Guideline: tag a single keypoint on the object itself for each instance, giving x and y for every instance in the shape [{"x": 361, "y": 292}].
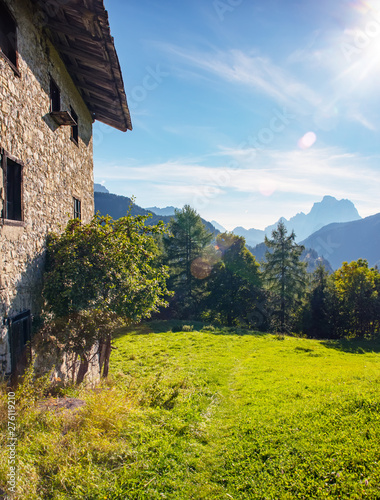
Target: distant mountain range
[
  {"x": 162, "y": 211},
  {"x": 341, "y": 234},
  {"x": 322, "y": 213},
  {"x": 117, "y": 206},
  {"x": 340, "y": 242},
  {"x": 218, "y": 226},
  {"x": 348, "y": 241},
  {"x": 99, "y": 188}
]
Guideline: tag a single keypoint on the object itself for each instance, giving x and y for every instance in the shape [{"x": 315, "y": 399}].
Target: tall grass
[{"x": 208, "y": 415}]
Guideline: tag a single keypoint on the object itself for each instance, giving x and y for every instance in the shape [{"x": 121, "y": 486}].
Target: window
[
  {"x": 20, "y": 335},
  {"x": 8, "y": 35},
  {"x": 59, "y": 116},
  {"x": 55, "y": 97},
  {"x": 13, "y": 179},
  {"x": 77, "y": 209},
  {"x": 74, "y": 128}
]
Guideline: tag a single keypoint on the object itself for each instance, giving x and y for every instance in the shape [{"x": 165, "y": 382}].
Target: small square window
[
  {"x": 55, "y": 97},
  {"x": 77, "y": 209},
  {"x": 74, "y": 128},
  {"x": 8, "y": 35},
  {"x": 13, "y": 179}
]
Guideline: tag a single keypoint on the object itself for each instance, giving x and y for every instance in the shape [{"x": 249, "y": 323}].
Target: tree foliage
[
  {"x": 101, "y": 274},
  {"x": 285, "y": 275},
  {"x": 235, "y": 285},
  {"x": 184, "y": 248},
  {"x": 317, "y": 317},
  {"x": 357, "y": 289}
]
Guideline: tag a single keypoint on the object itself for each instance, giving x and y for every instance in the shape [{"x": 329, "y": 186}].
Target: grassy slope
[{"x": 205, "y": 416}]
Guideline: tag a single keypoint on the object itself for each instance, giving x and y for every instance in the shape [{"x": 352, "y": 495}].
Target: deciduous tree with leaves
[
  {"x": 357, "y": 287},
  {"x": 99, "y": 275},
  {"x": 235, "y": 285}
]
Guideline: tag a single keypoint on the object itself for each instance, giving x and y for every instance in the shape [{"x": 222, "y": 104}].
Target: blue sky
[{"x": 247, "y": 110}]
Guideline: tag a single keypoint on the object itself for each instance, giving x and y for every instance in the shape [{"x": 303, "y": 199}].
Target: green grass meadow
[{"x": 217, "y": 415}]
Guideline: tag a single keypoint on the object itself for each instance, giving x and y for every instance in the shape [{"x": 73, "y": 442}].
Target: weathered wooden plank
[
  {"x": 72, "y": 31},
  {"x": 106, "y": 103},
  {"x": 88, "y": 54},
  {"x": 79, "y": 29},
  {"x": 102, "y": 77}
]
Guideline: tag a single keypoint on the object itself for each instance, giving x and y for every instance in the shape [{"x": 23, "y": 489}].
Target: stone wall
[{"x": 55, "y": 168}]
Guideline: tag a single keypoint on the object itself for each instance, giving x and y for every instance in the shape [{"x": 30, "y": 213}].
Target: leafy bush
[
  {"x": 188, "y": 328},
  {"x": 208, "y": 328}
]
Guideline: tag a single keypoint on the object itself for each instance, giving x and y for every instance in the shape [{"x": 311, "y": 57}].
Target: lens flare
[
  {"x": 307, "y": 140},
  {"x": 267, "y": 187},
  {"x": 200, "y": 268},
  {"x": 361, "y": 6}
]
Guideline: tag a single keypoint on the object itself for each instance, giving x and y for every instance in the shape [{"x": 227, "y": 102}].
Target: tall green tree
[
  {"x": 184, "y": 247},
  {"x": 284, "y": 274},
  {"x": 357, "y": 287},
  {"x": 318, "y": 317},
  {"x": 235, "y": 286},
  {"x": 100, "y": 275}
]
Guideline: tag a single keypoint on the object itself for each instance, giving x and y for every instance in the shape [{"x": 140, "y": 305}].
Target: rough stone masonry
[{"x": 55, "y": 168}]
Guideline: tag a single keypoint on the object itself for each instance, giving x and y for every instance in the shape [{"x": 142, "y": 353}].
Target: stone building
[{"x": 59, "y": 72}]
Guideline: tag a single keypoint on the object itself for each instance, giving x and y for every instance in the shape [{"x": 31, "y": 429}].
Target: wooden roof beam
[
  {"x": 86, "y": 57},
  {"x": 71, "y": 31}
]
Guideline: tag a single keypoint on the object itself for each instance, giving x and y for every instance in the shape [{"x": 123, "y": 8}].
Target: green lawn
[{"x": 211, "y": 415}]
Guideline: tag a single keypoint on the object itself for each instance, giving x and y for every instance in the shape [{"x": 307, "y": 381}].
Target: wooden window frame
[
  {"x": 4, "y": 164},
  {"x": 12, "y": 64},
  {"x": 76, "y": 212}
]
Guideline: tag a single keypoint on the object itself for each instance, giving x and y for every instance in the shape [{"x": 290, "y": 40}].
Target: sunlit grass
[{"x": 212, "y": 415}]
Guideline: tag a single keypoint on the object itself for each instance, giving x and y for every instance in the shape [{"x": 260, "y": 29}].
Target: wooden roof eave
[{"x": 80, "y": 32}]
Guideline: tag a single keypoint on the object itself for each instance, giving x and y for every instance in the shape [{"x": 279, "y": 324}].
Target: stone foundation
[{"x": 66, "y": 366}]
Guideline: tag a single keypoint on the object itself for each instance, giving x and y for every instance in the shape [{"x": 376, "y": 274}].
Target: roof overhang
[{"x": 80, "y": 31}]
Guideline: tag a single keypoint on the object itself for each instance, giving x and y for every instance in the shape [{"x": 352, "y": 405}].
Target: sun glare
[{"x": 360, "y": 44}]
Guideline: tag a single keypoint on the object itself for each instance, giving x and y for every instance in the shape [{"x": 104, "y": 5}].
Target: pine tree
[
  {"x": 318, "y": 318},
  {"x": 285, "y": 274},
  {"x": 184, "y": 248}
]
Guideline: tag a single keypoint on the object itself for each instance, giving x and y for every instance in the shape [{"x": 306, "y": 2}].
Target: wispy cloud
[
  {"x": 293, "y": 174},
  {"x": 251, "y": 70},
  {"x": 331, "y": 78}
]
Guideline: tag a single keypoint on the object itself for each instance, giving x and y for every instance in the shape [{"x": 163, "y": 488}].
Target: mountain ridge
[
  {"x": 348, "y": 241},
  {"x": 118, "y": 206},
  {"x": 332, "y": 244},
  {"x": 327, "y": 211}
]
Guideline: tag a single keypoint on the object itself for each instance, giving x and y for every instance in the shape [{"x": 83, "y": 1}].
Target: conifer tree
[
  {"x": 318, "y": 317},
  {"x": 184, "y": 247},
  {"x": 285, "y": 275}
]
